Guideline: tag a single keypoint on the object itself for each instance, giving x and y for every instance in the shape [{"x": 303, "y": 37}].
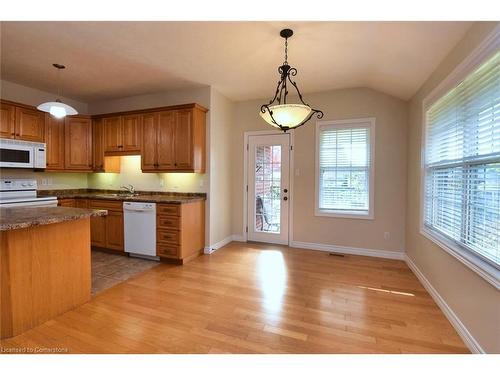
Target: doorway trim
[{"x": 246, "y": 135}]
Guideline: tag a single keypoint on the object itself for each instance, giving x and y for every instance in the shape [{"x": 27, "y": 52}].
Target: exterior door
[{"x": 268, "y": 188}]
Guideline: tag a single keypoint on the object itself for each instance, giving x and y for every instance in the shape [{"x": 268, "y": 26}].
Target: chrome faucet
[{"x": 130, "y": 188}]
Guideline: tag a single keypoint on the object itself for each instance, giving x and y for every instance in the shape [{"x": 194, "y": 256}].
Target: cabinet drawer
[
  {"x": 168, "y": 209},
  {"x": 66, "y": 202},
  {"x": 171, "y": 251},
  {"x": 81, "y": 203},
  {"x": 169, "y": 222},
  {"x": 106, "y": 205},
  {"x": 171, "y": 236}
]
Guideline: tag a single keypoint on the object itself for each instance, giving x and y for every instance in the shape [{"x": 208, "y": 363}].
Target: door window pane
[{"x": 268, "y": 189}]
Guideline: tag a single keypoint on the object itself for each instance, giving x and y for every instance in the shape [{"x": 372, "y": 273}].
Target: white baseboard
[
  {"x": 462, "y": 331},
  {"x": 239, "y": 238},
  {"x": 400, "y": 255},
  {"x": 216, "y": 246}
]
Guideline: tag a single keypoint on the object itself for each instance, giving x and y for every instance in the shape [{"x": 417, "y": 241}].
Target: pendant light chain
[{"x": 286, "y": 52}]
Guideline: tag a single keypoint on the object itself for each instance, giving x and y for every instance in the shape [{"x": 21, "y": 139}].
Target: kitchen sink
[{"x": 120, "y": 195}]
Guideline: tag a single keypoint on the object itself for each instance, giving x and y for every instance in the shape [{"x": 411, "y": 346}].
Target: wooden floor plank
[{"x": 256, "y": 298}]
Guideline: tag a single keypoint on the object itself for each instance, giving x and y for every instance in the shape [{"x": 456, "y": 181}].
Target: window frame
[
  {"x": 368, "y": 122},
  {"x": 469, "y": 258}
]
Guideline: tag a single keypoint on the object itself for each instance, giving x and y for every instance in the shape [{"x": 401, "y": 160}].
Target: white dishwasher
[{"x": 140, "y": 228}]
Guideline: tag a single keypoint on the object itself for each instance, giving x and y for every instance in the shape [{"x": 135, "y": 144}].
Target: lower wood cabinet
[
  {"x": 107, "y": 231},
  {"x": 66, "y": 202},
  {"x": 180, "y": 230},
  {"x": 114, "y": 230}
]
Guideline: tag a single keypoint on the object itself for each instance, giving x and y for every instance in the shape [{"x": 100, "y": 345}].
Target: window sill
[
  {"x": 479, "y": 266},
  {"x": 344, "y": 214}
]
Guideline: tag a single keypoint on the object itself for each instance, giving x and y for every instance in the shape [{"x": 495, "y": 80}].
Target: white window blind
[
  {"x": 462, "y": 164},
  {"x": 344, "y": 168}
]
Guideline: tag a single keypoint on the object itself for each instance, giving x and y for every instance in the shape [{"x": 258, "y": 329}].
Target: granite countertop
[
  {"x": 141, "y": 196},
  {"x": 25, "y": 217}
]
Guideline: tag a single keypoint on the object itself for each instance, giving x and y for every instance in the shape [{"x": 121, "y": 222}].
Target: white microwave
[{"x": 22, "y": 154}]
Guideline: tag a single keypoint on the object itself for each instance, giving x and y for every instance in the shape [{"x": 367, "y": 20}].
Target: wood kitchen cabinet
[
  {"x": 8, "y": 121},
  {"x": 30, "y": 124},
  {"x": 78, "y": 143},
  {"x": 174, "y": 140},
  {"x": 22, "y": 122},
  {"x": 180, "y": 231},
  {"x": 114, "y": 230},
  {"x": 131, "y": 133},
  {"x": 112, "y": 134},
  {"x": 54, "y": 138},
  {"x": 66, "y": 202},
  {"x": 98, "y": 231},
  {"x": 149, "y": 138},
  {"x": 98, "y": 145},
  {"x": 107, "y": 231},
  {"x": 122, "y": 134}
]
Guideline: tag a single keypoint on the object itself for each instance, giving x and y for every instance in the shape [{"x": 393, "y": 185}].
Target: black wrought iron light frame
[{"x": 286, "y": 72}]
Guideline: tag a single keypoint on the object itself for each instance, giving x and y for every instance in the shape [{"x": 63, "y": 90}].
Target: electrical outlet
[
  {"x": 297, "y": 172},
  {"x": 387, "y": 235},
  {"x": 49, "y": 181},
  {"x": 162, "y": 182},
  {"x": 44, "y": 182}
]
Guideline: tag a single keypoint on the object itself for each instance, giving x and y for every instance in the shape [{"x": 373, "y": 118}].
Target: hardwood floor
[{"x": 255, "y": 298}]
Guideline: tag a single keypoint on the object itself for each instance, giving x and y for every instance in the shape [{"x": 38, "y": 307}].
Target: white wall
[
  {"x": 130, "y": 173},
  {"x": 390, "y": 170},
  {"x": 49, "y": 180},
  {"x": 200, "y": 95},
  {"x": 475, "y": 301},
  {"x": 221, "y": 201}
]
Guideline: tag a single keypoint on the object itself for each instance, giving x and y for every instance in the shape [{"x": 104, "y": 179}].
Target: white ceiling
[{"x": 117, "y": 59}]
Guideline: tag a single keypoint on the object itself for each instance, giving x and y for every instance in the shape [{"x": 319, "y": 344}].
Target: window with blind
[
  {"x": 344, "y": 153},
  {"x": 461, "y": 205}
]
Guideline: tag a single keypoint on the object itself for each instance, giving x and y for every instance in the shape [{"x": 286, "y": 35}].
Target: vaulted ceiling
[{"x": 108, "y": 60}]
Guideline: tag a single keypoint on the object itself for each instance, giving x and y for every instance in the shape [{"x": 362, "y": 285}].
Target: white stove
[{"x": 22, "y": 193}]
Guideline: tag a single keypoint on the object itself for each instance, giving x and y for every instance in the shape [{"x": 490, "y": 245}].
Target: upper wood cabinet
[
  {"x": 149, "y": 158},
  {"x": 131, "y": 133},
  {"x": 78, "y": 143},
  {"x": 54, "y": 138},
  {"x": 22, "y": 122},
  {"x": 174, "y": 140},
  {"x": 122, "y": 134},
  {"x": 98, "y": 145},
  {"x": 165, "y": 141},
  {"x": 8, "y": 121},
  {"x": 112, "y": 134},
  {"x": 30, "y": 124}
]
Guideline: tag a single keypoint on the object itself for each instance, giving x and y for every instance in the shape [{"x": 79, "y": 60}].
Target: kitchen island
[{"x": 44, "y": 264}]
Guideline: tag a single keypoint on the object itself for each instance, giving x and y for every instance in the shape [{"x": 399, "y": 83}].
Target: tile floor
[{"x": 111, "y": 269}]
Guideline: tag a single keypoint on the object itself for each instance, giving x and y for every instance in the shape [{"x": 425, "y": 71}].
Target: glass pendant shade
[
  {"x": 287, "y": 116},
  {"x": 57, "y": 109}
]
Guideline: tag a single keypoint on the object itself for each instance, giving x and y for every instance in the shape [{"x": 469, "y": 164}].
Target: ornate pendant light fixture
[
  {"x": 278, "y": 112},
  {"x": 57, "y": 108}
]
